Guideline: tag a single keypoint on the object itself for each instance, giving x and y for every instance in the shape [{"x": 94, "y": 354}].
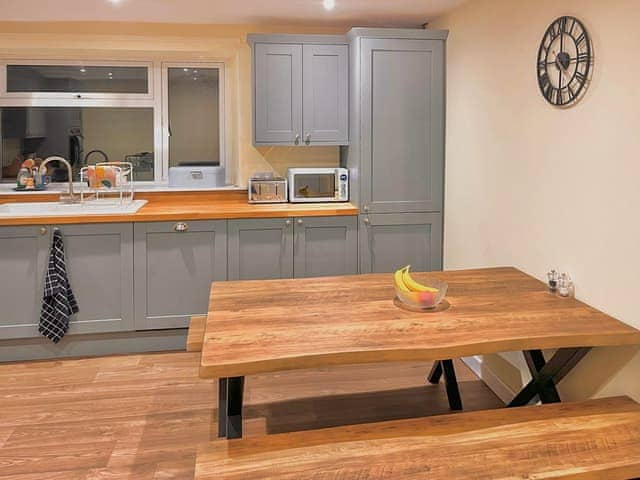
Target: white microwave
[{"x": 318, "y": 185}]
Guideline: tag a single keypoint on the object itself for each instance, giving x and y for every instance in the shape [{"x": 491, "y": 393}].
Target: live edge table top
[{"x": 271, "y": 325}]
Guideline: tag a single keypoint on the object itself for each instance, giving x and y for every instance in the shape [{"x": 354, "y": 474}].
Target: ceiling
[{"x": 309, "y": 12}]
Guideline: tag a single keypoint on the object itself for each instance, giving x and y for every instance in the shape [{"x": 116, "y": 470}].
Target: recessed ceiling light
[
  {"x": 114, "y": 2},
  {"x": 329, "y": 4}
]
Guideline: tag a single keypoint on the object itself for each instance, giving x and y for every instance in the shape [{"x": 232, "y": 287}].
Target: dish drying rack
[{"x": 117, "y": 189}]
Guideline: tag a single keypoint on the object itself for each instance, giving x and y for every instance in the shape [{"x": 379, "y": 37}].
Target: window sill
[{"x": 146, "y": 187}]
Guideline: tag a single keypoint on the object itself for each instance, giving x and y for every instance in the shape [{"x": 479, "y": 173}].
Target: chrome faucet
[{"x": 69, "y": 197}]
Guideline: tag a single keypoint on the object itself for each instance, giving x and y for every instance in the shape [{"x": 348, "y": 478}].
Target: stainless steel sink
[{"x": 56, "y": 209}]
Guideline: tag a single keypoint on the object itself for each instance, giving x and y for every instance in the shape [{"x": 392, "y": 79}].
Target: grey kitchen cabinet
[
  {"x": 23, "y": 256},
  {"x": 277, "y": 93},
  {"x": 175, "y": 264},
  {"x": 300, "y": 90},
  {"x": 99, "y": 260},
  {"x": 325, "y": 88},
  {"x": 325, "y": 246},
  {"x": 389, "y": 241},
  {"x": 260, "y": 249},
  {"x": 398, "y": 117}
]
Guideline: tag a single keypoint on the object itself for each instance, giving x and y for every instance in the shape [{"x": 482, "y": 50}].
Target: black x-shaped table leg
[
  {"x": 545, "y": 375},
  {"x": 230, "y": 392},
  {"x": 446, "y": 368}
]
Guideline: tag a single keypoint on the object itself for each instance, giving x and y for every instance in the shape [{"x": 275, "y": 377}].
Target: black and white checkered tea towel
[{"x": 58, "y": 302}]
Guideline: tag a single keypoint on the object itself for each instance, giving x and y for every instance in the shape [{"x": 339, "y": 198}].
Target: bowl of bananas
[{"x": 415, "y": 295}]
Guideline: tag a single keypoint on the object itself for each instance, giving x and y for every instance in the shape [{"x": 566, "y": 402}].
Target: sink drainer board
[{"x": 56, "y": 209}]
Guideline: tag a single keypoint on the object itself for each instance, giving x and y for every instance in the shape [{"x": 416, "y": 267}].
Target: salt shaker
[{"x": 564, "y": 285}]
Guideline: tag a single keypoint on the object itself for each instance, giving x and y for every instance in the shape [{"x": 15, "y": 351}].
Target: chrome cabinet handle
[
  {"x": 366, "y": 208},
  {"x": 43, "y": 230},
  {"x": 300, "y": 222},
  {"x": 307, "y": 139},
  {"x": 287, "y": 223},
  {"x": 297, "y": 139},
  {"x": 366, "y": 221},
  {"x": 181, "y": 227}
]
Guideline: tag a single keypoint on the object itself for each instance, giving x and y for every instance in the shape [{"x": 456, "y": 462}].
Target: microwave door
[{"x": 314, "y": 187}]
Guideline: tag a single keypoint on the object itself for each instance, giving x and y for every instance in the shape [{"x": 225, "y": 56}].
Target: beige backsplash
[{"x": 279, "y": 159}]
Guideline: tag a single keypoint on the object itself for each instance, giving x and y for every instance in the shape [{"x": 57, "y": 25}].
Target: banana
[
  {"x": 399, "y": 279},
  {"x": 414, "y": 286}
]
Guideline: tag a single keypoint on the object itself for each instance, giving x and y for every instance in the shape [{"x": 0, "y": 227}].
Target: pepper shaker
[{"x": 552, "y": 277}]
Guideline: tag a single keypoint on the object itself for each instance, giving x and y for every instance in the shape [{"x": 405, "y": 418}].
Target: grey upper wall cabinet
[
  {"x": 325, "y": 246},
  {"x": 278, "y": 94},
  {"x": 260, "y": 248},
  {"x": 301, "y": 90},
  {"x": 99, "y": 259},
  {"x": 175, "y": 263},
  {"x": 398, "y": 114},
  {"x": 23, "y": 256},
  {"x": 389, "y": 241},
  {"x": 325, "y": 90}
]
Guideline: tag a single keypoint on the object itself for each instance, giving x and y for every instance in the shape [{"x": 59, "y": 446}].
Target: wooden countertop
[
  {"x": 271, "y": 325},
  {"x": 173, "y": 206}
]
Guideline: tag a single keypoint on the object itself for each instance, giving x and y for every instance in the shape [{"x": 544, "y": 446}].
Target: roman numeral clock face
[{"x": 564, "y": 61}]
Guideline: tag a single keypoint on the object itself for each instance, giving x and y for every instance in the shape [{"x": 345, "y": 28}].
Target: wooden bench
[
  {"x": 596, "y": 439},
  {"x": 195, "y": 337}
]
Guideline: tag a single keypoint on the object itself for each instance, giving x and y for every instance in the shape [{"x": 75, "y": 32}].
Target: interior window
[
  {"x": 83, "y": 135},
  {"x": 77, "y": 79},
  {"x": 193, "y": 116},
  {"x": 90, "y": 112}
]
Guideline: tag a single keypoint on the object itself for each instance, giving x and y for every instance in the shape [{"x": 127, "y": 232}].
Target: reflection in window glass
[
  {"x": 84, "y": 136},
  {"x": 77, "y": 79},
  {"x": 194, "y": 123}
]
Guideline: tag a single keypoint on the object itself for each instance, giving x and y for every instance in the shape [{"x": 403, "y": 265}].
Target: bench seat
[
  {"x": 195, "y": 336},
  {"x": 595, "y": 439}
]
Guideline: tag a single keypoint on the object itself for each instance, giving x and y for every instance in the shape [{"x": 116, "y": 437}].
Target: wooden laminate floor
[{"x": 142, "y": 416}]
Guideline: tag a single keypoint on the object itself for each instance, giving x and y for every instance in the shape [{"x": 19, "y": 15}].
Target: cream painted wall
[
  {"x": 539, "y": 188},
  {"x": 178, "y": 42}
]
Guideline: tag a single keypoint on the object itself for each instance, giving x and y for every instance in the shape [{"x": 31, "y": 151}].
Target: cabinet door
[
  {"x": 175, "y": 263},
  {"x": 402, "y": 125},
  {"x": 277, "y": 93},
  {"x": 99, "y": 261},
  {"x": 391, "y": 240},
  {"x": 23, "y": 256},
  {"x": 326, "y": 94},
  {"x": 260, "y": 249},
  {"x": 325, "y": 246}
]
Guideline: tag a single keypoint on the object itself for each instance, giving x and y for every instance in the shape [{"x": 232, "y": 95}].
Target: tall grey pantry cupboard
[
  {"x": 300, "y": 89},
  {"x": 396, "y": 153}
]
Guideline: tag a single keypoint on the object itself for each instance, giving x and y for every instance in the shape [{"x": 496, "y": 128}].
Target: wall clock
[{"x": 564, "y": 61}]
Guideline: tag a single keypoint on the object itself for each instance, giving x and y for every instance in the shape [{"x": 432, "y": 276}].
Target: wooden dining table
[{"x": 263, "y": 326}]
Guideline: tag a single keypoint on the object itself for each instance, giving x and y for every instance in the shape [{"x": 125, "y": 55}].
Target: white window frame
[
  {"x": 156, "y": 98},
  {"x": 222, "y": 112},
  {"x": 78, "y": 95}
]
